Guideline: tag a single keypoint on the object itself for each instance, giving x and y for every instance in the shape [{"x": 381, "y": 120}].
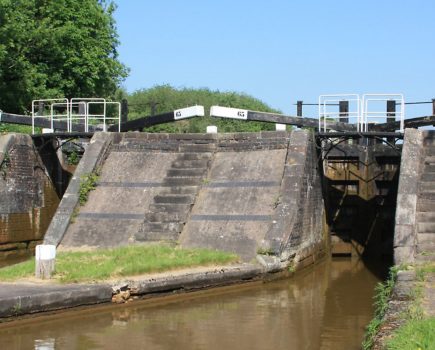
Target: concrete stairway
[
  {"x": 170, "y": 209},
  {"x": 426, "y": 205}
]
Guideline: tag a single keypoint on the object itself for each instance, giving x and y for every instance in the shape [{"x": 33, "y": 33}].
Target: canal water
[{"x": 325, "y": 307}]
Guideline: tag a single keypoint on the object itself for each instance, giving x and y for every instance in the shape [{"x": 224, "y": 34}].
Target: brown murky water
[{"x": 326, "y": 307}]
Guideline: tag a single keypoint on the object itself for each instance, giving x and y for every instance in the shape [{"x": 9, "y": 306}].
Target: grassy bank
[
  {"x": 383, "y": 293},
  {"x": 103, "y": 264},
  {"x": 417, "y": 331}
]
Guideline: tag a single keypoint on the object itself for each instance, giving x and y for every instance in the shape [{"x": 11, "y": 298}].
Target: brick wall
[{"x": 27, "y": 197}]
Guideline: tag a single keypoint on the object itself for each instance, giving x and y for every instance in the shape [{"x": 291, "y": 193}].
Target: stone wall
[
  {"x": 27, "y": 196},
  {"x": 406, "y": 209}
]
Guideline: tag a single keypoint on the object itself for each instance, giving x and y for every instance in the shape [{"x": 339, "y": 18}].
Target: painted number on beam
[
  {"x": 189, "y": 112},
  {"x": 226, "y": 112}
]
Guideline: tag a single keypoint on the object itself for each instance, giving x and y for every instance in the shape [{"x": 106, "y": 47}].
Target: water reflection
[{"x": 324, "y": 308}]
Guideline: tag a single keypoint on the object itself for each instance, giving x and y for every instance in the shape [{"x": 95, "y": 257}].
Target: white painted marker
[
  {"x": 189, "y": 112},
  {"x": 226, "y": 112}
]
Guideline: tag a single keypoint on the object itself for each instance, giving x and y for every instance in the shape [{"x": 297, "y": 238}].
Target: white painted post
[
  {"x": 211, "y": 129},
  {"x": 45, "y": 257},
  {"x": 280, "y": 127}
]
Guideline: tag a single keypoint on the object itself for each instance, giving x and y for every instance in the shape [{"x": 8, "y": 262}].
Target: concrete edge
[
  {"x": 196, "y": 280},
  {"x": 93, "y": 158},
  {"x": 71, "y": 296},
  {"x": 50, "y": 300}
]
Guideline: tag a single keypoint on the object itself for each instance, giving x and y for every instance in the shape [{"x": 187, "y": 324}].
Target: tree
[
  {"x": 51, "y": 49},
  {"x": 164, "y": 98}
]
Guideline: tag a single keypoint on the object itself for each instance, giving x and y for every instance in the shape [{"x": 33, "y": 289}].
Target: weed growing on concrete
[
  {"x": 276, "y": 202},
  {"x": 265, "y": 251},
  {"x": 5, "y": 165},
  {"x": 88, "y": 183},
  {"x": 17, "y": 308},
  {"x": 383, "y": 293}
]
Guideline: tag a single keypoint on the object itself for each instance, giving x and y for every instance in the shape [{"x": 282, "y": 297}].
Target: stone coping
[{"x": 31, "y": 297}]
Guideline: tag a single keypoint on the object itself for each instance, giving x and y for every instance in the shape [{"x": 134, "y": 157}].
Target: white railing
[
  {"x": 374, "y": 111},
  {"x": 84, "y": 111},
  {"x": 329, "y": 109},
  {"x": 371, "y": 109}
]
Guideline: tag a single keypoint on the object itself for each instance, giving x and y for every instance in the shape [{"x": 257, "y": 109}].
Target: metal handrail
[{"x": 71, "y": 115}]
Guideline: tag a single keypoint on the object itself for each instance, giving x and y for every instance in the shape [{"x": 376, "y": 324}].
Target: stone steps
[
  {"x": 426, "y": 237},
  {"x": 429, "y": 160},
  {"x": 193, "y": 163},
  {"x": 426, "y": 227},
  {"x": 197, "y": 147},
  {"x": 426, "y": 217},
  {"x": 427, "y": 186},
  {"x": 429, "y": 151},
  {"x": 180, "y": 190},
  {"x": 181, "y": 209},
  {"x": 162, "y": 227},
  {"x": 183, "y": 172},
  {"x": 174, "y": 199},
  {"x": 195, "y": 156},
  {"x": 168, "y": 212},
  {"x": 427, "y": 196},
  {"x": 164, "y": 217},
  {"x": 426, "y": 248},
  {"x": 424, "y": 258},
  {"x": 183, "y": 181},
  {"x": 427, "y": 177},
  {"x": 425, "y": 205},
  {"x": 149, "y": 236}
]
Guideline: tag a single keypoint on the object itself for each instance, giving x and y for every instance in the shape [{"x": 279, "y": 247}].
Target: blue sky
[{"x": 281, "y": 51}]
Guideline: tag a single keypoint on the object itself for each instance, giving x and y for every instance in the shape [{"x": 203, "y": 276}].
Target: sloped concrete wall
[
  {"x": 248, "y": 193},
  {"x": 235, "y": 206},
  {"x": 298, "y": 231}
]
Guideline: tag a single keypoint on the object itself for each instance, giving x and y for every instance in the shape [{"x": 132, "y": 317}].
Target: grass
[
  {"x": 417, "y": 333},
  {"x": 23, "y": 129},
  {"x": 414, "y": 335},
  {"x": 103, "y": 264},
  {"x": 383, "y": 293}
]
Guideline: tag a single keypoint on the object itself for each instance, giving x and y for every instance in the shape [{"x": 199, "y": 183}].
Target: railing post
[
  {"x": 299, "y": 108},
  {"x": 391, "y": 115},
  {"x": 343, "y": 111},
  {"x": 40, "y": 108},
  {"x": 433, "y": 106},
  {"x": 124, "y": 112}
]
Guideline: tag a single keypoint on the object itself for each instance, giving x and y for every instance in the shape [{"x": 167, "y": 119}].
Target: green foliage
[
  {"x": 415, "y": 334},
  {"x": 4, "y": 165},
  {"x": 21, "y": 129},
  {"x": 57, "y": 49},
  {"x": 88, "y": 182},
  {"x": 103, "y": 264},
  {"x": 383, "y": 293},
  {"x": 164, "y": 98},
  {"x": 73, "y": 158}
]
